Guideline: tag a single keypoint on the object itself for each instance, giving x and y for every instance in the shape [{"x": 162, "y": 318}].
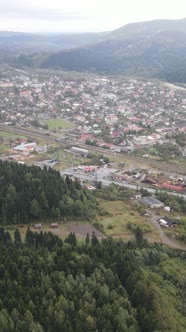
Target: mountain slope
[
  {"x": 156, "y": 48},
  {"x": 151, "y": 49},
  {"x": 160, "y": 56}
]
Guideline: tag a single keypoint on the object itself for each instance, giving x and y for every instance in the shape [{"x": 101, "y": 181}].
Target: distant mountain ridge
[
  {"x": 32, "y": 42},
  {"x": 151, "y": 49},
  {"x": 148, "y": 29}
]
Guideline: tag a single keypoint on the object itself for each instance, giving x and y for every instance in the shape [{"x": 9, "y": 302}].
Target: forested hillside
[
  {"x": 150, "y": 49},
  {"x": 160, "y": 56},
  {"x": 29, "y": 193},
  {"x": 49, "y": 285}
]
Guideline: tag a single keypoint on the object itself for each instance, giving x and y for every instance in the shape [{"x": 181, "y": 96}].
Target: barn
[{"x": 152, "y": 202}]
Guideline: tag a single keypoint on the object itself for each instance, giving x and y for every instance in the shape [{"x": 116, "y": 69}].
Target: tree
[
  {"x": 55, "y": 213},
  {"x": 17, "y": 237},
  {"x": 71, "y": 239},
  {"x": 6, "y": 322},
  {"x": 87, "y": 240},
  {"x": 139, "y": 236},
  {"x": 35, "y": 209},
  {"x": 94, "y": 240}
]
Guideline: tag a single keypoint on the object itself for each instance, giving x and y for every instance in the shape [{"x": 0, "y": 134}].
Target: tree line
[{"x": 30, "y": 193}]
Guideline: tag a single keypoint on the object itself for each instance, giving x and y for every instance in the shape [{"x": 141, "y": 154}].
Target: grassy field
[
  {"x": 118, "y": 215},
  {"x": 58, "y": 124},
  {"x": 6, "y": 135},
  {"x": 7, "y": 138}
]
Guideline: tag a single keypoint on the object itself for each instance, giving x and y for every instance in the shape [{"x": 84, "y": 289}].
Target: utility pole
[{"x": 96, "y": 179}]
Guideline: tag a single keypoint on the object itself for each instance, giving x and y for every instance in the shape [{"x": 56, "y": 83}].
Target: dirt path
[{"x": 164, "y": 238}]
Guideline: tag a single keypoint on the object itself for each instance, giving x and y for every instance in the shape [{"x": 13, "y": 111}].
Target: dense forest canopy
[
  {"x": 49, "y": 285},
  {"x": 30, "y": 193}
]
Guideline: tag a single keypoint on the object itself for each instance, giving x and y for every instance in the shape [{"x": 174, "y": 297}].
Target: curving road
[{"x": 164, "y": 238}]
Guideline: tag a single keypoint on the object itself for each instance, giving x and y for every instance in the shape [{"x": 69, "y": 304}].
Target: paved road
[{"x": 106, "y": 182}]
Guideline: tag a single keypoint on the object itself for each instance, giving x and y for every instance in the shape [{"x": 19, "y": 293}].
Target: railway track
[
  {"x": 168, "y": 167},
  {"x": 158, "y": 165},
  {"x": 27, "y": 132}
]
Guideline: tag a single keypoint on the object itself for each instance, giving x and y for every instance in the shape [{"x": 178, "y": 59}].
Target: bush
[{"x": 110, "y": 226}]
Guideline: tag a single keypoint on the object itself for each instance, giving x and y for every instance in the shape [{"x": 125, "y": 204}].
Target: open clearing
[
  {"x": 114, "y": 221},
  {"x": 63, "y": 230},
  {"x": 58, "y": 124},
  {"x": 83, "y": 229},
  {"x": 118, "y": 214}
]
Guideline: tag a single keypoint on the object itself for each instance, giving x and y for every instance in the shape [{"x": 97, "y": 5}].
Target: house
[
  {"x": 167, "y": 222},
  {"x": 136, "y": 196},
  {"x": 152, "y": 202},
  {"x": 54, "y": 225},
  {"x": 38, "y": 226}
]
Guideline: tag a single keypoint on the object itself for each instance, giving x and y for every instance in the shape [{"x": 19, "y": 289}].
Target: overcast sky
[{"x": 83, "y": 15}]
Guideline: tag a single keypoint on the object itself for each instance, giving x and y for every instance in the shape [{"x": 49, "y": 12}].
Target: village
[
  {"x": 133, "y": 116},
  {"x": 124, "y": 117},
  {"x": 121, "y": 114}
]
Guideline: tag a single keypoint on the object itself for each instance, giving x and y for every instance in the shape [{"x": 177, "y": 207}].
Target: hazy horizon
[
  {"x": 46, "y": 33},
  {"x": 81, "y": 16}
]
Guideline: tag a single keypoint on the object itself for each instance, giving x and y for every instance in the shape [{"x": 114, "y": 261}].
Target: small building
[
  {"x": 82, "y": 152},
  {"x": 149, "y": 180},
  {"x": 167, "y": 209},
  {"x": 38, "y": 226},
  {"x": 54, "y": 225},
  {"x": 25, "y": 147},
  {"x": 136, "y": 196},
  {"x": 167, "y": 222},
  {"x": 90, "y": 187},
  {"x": 170, "y": 186},
  {"x": 152, "y": 202},
  {"x": 88, "y": 169}
]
